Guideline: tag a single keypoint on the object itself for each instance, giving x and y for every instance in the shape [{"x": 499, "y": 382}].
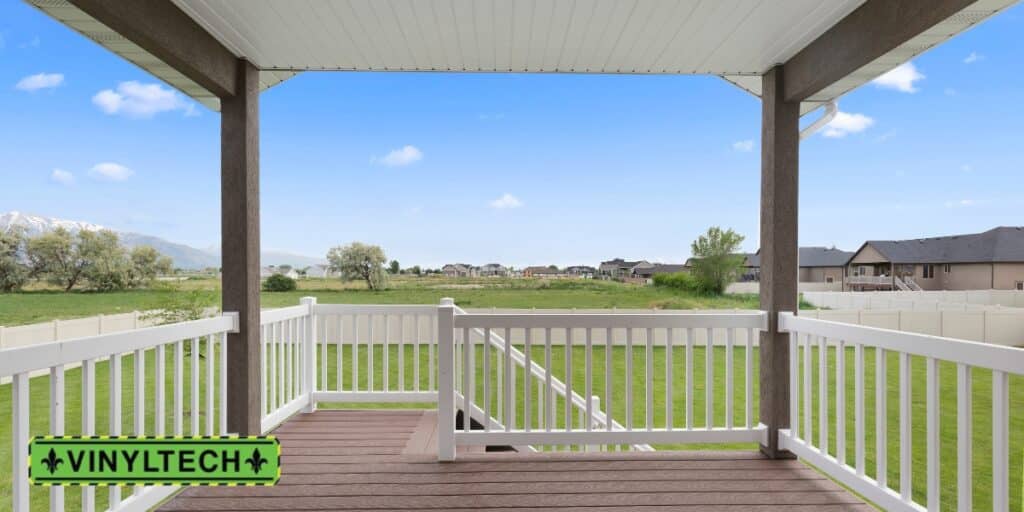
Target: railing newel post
[
  {"x": 446, "y": 381},
  {"x": 309, "y": 373}
]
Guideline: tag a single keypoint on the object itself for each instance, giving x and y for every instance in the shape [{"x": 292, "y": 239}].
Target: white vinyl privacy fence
[
  {"x": 59, "y": 330},
  {"x": 999, "y": 327},
  {"x": 967, "y": 300}
]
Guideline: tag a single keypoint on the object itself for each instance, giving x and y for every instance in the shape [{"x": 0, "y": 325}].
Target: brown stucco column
[
  {"x": 780, "y": 150},
  {"x": 240, "y": 245}
]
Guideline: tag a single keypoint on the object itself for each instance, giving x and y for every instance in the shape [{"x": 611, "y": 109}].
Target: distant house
[
  {"x": 543, "y": 272},
  {"x": 581, "y": 271},
  {"x": 817, "y": 265},
  {"x": 493, "y": 270},
  {"x": 266, "y": 272},
  {"x": 459, "y": 270},
  {"x": 320, "y": 271},
  {"x": 647, "y": 272},
  {"x": 620, "y": 269},
  {"x": 993, "y": 259}
]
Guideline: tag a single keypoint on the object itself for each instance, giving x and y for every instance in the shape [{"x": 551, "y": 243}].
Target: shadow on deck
[{"x": 386, "y": 460}]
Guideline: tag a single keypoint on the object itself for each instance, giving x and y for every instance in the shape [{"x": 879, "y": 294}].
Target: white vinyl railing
[
  {"x": 814, "y": 340},
  {"x": 508, "y": 361},
  {"x": 381, "y": 353},
  {"x": 287, "y": 351},
  {"x": 875, "y": 280},
  {"x": 197, "y": 407},
  {"x": 572, "y": 423}
]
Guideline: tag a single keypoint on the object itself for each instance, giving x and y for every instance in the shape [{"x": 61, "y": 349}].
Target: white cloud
[
  {"x": 110, "y": 171},
  {"x": 744, "y": 146},
  {"x": 63, "y": 177},
  {"x": 949, "y": 91},
  {"x": 901, "y": 78},
  {"x": 138, "y": 100},
  {"x": 506, "y": 201},
  {"x": 973, "y": 57},
  {"x": 846, "y": 123},
  {"x": 400, "y": 157},
  {"x": 40, "y": 81},
  {"x": 963, "y": 203}
]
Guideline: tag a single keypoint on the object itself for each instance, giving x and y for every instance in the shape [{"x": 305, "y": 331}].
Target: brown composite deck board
[
  {"x": 385, "y": 460},
  {"x": 525, "y": 476}
]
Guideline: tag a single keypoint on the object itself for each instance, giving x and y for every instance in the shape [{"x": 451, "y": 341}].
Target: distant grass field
[{"x": 42, "y": 305}]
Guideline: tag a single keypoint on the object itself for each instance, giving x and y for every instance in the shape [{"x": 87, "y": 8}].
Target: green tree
[
  {"x": 415, "y": 270},
  {"x": 394, "y": 267},
  {"x": 715, "y": 259},
  {"x": 56, "y": 257},
  {"x": 14, "y": 272},
  {"x": 107, "y": 264},
  {"x": 146, "y": 265},
  {"x": 360, "y": 261}
]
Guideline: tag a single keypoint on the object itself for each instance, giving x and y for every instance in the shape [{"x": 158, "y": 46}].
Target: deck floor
[{"x": 386, "y": 460}]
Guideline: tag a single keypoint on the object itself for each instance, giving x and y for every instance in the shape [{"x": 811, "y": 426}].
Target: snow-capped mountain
[
  {"x": 35, "y": 225},
  {"x": 183, "y": 255}
]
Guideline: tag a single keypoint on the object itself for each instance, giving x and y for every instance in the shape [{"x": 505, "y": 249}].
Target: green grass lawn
[
  {"x": 39, "y": 390},
  {"x": 44, "y": 305}
]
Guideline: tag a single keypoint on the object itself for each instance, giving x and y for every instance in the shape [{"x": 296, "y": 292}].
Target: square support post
[
  {"x": 446, "y": 381},
  {"x": 240, "y": 246},
  {"x": 309, "y": 345},
  {"x": 780, "y": 153}
]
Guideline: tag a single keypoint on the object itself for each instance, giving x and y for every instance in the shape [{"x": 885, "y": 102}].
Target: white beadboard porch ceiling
[{"x": 735, "y": 39}]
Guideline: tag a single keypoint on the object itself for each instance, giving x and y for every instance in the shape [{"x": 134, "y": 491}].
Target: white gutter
[{"x": 831, "y": 109}]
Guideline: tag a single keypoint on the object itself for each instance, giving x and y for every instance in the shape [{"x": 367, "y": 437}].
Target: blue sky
[{"x": 519, "y": 169}]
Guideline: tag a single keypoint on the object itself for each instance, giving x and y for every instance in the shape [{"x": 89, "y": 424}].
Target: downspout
[{"x": 831, "y": 109}]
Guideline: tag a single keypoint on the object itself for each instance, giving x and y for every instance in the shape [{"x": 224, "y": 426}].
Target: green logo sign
[{"x": 103, "y": 460}]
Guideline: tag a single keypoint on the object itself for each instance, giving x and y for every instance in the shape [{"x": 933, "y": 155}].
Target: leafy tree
[
  {"x": 360, "y": 261},
  {"x": 56, "y": 256},
  {"x": 415, "y": 270},
  {"x": 14, "y": 272},
  {"x": 394, "y": 267},
  {"x": 146, "y": 265},
  {"x": 715, "y": 262},
  {"x": 279, "y": 283},
  {"x": 107, "y": 265}
]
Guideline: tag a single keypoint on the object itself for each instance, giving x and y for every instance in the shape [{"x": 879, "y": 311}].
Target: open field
[
  {"x": 41, "y": 305},
  {"x": 39, "y": 392}
]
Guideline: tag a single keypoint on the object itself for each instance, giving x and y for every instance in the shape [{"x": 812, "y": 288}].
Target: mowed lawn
[{"x": 39, "y": 390}]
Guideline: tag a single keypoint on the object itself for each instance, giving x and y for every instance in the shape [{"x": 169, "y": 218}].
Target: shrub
[
  {"x": 279, "y": 283},
  {"x": 682, "y": 281}
]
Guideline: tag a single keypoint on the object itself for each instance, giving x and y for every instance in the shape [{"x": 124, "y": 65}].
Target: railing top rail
[
  {"x": 268, "y": 316},
  {"x": 47, "y": 355},
  {"x": 375, "y": 309},
  {"x": 743, "y": 320},
  {"x": 976, "y": 354}
]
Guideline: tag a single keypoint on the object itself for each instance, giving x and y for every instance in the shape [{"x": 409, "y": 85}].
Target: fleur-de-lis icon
[
  {"x": 52, "y": 461},
  {"x": 256, "y": 460}
]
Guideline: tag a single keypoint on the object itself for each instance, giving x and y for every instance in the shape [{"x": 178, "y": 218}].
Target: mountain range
[{"x": 184, "y": 256}]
